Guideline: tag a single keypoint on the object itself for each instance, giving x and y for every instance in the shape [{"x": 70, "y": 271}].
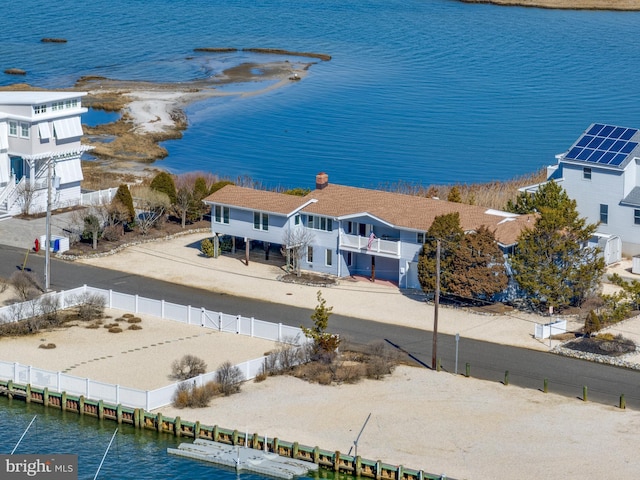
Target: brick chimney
[{"x": 322, "y": 180}]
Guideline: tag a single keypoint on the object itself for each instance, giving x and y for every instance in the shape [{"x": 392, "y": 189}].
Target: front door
[{"x": 17, "y": 167}]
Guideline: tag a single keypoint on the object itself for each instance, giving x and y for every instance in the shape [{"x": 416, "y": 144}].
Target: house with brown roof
[{"x": 353, "y": 231}]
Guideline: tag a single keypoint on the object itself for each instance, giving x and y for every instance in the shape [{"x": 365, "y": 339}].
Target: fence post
[
  {"x": 238, "y": 317},
  {"x": 136, "y": 304},
  {"x": 117, "y": 394},
  {"x": 59, "y": 381},
  {"x": 279, "y": 331},
  {"x": 16, "y": 365},
  {"x": 252, "y": 326},
  {"x": 87, "y": 385},
  {"x": 110, "y": 298},
  {"x": 203, "y": 316},
  {"x": 219, "y": 321}
]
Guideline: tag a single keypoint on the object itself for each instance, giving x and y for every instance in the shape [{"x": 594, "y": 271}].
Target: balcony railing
[{"x": 376, "y": 245}]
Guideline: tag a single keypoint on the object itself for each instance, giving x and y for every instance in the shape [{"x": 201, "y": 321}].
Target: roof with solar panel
[{"x": 606, "y": 146}]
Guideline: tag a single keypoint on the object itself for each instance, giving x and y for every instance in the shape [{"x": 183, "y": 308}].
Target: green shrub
[{"x": 207, "y": 247}]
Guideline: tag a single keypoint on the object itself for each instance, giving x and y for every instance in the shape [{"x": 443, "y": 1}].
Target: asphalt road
[{"x": 489, "y": 361}]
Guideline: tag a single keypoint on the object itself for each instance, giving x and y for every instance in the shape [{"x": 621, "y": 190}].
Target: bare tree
[
  {"x": 188, "y": 366},
  {"x": 152, "y": 205},
  {"x": 184, "y": 203},
  {"x": 26, "y": 193},
  {"x": 25, "y": 284},
  {"x": 295, "y": 242}
]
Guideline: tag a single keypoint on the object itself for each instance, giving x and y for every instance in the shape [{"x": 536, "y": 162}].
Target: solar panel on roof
[
  {"x": 617, "y": 132},
  {"x": 607, "y": 143},
  {"x": 595, "y": 143},
  {"x": 596, "y": 156},
  {"x": 573, "y": 153},
  {"x": 604, "y": 144},
  {"x": 617, "y": 146},
  {"x": 606, "y": 158},
  {"x": 618, "y": 159},
  {"x": 606, "y": 130},
  {"x": 595, "y": 129},
  {"x": 628, "y": 148},
  {"x": 585, "y": 154},
  {"x": 584, "y": 141}
]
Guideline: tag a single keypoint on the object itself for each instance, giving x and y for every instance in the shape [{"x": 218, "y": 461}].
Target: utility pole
[
  {"x": 436, "y": 303},
  {"x": 47, "y": 243}
]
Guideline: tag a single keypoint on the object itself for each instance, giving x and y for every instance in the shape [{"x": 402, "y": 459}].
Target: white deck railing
[{"x": 376, "y": 245}]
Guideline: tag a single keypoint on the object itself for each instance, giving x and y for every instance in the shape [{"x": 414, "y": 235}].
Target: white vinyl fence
[
  {"x": 131, "y": 397},
  {"x": 550, "y": 329},
  {"x": 98, "y": 197}
]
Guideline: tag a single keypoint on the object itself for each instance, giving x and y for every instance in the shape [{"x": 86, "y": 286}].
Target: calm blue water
[
  {"x": 133, "y": 453},
  {"x": 429, "y": 91}
]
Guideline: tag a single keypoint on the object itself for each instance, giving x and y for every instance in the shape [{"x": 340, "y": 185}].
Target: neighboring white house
[
  {"x": 352, "y": 231},
  {"x": 37, "y": 128},
  {"x": 601, "y": 172}
]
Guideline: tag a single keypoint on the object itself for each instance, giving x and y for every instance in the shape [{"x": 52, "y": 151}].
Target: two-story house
[
  {"x": 354, "y": 231},
  {"x": 601, "y": 172},
  {"x": 39, "y": 130}
]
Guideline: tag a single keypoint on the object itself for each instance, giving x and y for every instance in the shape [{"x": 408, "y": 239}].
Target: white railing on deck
[
  {"x": 377, "y": 245},
  {"x": 131, "y": 397}
]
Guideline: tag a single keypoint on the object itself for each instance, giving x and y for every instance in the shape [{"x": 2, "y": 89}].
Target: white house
[
  {"x": 601, "y": 171},
  {"x": 38, "y": 129},
  {"x": 353, "y": 231}
]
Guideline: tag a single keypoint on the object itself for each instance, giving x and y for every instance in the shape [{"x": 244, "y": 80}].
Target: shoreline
[{"x": 604, "y": 5}]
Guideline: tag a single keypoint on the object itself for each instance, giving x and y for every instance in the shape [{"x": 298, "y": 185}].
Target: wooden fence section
[{"x": 139, "y": 418}]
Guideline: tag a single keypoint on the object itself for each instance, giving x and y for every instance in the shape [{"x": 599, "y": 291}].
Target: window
[
  {"x": 586, "y": 173},
  {"x": 320, "y": 223},
  {"x": 296, "y": 220},
  {"x": 349, "y": 259},
  {"x": 329, "y": 258},
  {"x": 420, "y": 238},
  {"x": 310, "y": 254},
  {"x": 636, "y": 217},
  {"x": 349, "y": 227},
  {"x": 604, "y": 214},
  {"x": 13, "y": 129},
  {"x": 221, "y": 214},
  {"x": 24, "y": 130},
  {"x": 71, "y": 103},
  {"x": 57, "y": 106},
  {"x": 260, "y": 221},
  {"x": 37, "y": 109}
]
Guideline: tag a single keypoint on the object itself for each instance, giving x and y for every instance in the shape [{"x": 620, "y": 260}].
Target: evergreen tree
[
  {"x": 454, "y": 195},
  {"x": 478, "y": 266},
  {"x": 550, "y": 263},
  {"x": 163, "y": 182},
  {"x": 123, "y": 196},
  {"x": 445, "y": 228},
  {"x": 200, "y": 191},
  {"x": 218, "y": 185},
  {"x": 549, "y": 195}
]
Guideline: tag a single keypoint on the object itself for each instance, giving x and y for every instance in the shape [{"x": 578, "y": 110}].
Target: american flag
[{"x": 372, "y": 237}]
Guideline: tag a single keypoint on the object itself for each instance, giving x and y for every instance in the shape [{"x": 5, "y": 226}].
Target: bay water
[{"x": 417, "y": 91}]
